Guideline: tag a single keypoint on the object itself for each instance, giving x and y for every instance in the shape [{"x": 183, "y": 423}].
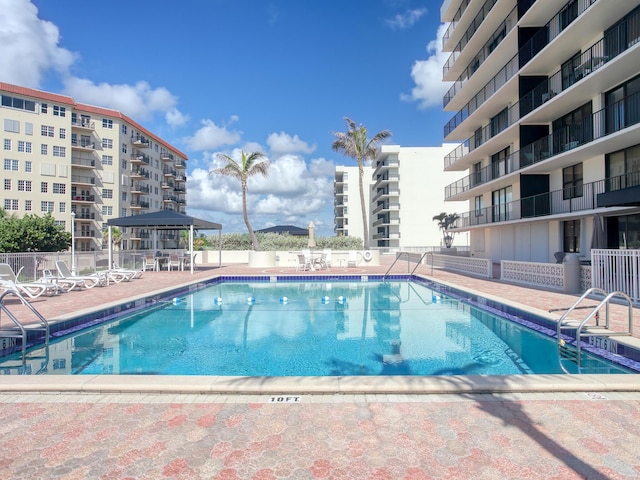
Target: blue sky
[{"x": 215, "y": 76}]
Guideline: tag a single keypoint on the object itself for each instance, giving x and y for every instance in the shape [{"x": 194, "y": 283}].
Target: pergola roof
[
  {"x": 164, "y": 219},
  {"x": 290, "y": 229}
]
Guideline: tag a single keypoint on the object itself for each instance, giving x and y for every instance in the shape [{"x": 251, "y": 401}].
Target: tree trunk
[
  {"x": 252, "y": 235},
  {"x": 365, "y": 219}
]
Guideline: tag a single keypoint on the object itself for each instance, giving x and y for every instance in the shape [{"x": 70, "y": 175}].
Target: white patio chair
[{"x": 9, "y": 281}]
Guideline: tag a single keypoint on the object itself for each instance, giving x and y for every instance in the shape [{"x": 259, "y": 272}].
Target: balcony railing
[
  {"x": 611, "y": 119},
  {"x": 578, "y": 198},
  {"x": 454, "y": 22},
  {"x": 82, "y": 162},
  {"x": 83, "y": 144},
  {"x": 591, "y": 60},
  {"x": 514, "y": 65},
  {"x": 501, "y": 32},
  {"x": 83, "y": 179},
  {"x": 140, "y": 158},
  {"x": 140, "y": 141},
  {"x": 83, "y": 123}
]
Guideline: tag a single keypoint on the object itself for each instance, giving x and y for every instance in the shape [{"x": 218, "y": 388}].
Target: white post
[{"x": 73, "y": 242}]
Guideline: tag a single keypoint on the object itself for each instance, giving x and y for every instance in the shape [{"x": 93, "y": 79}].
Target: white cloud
[
  {"x": 427, "y": 75},
  {"x": 211, "y": 136},
  {"x": 294, "y": 192},
  {"x": 29, "y": 45},
  {"x": 139, "y": 101},
  {"x": 175, "y": 118},
  {"x": 406, "y": 20},
  {"x": 282, "y": 143}
]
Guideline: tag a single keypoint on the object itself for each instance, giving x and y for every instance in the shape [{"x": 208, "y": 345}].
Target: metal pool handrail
[{"x": 408, "y": 260}]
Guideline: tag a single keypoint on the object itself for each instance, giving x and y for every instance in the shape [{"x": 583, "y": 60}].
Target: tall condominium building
[
  {"x": 406, "y": 193},
  {"x": 403, "y": 192},
  {"x": 84, "y": 165},
  {"x": 546, "y": 104},
  {"x": 347, "y": 208}
]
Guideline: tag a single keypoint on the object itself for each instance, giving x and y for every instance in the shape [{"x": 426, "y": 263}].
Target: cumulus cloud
[
  {"x": 139, "y": 101},
  {"x": 282, "y": 143},
  {"x": 30, "y": 46},
  {"x": 175, "y": 118},
  {"x": 427, "y": 75},
  {"x": 295, "y": 191},
  {"x": 405, "y": 20},
  {"x": 211, "y": 136}
]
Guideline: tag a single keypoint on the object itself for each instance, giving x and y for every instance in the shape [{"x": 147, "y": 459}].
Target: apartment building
[
  {"x": 403, "y": 192},
  {"x": 347, "y": 208},
  {"x": 406, "y": 193},
  {"x": 85, "y": 164},
  {"x": 545, "y": 103}
]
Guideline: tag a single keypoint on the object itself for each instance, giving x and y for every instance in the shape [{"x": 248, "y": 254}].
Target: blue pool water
[{"x": 311, "y": 329}]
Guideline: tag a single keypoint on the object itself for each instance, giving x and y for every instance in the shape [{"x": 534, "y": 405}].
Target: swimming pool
[{"x": 326, "y": 328}]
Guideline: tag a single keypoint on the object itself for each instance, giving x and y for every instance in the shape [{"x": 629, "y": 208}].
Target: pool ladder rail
[
  {"x": 409, "y": 256},
  {"x": 16, "y": 329},
  {"x": 584, "y": 329}
]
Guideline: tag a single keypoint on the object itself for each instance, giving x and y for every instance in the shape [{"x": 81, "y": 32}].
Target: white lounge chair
[
  {"x": 85, "y": 281},
  {"x": 9, "y": 281},
  {"x": 130, "y": 272}
]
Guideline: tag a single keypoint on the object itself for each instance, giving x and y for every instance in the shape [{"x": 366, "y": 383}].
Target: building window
[
  {"x": 124, "y": 148},
  {"x": 572, "y": 181},
  {"x": 44, "y": 108},
  {"x": 7, "y": 144},
  {"x": 107, "y": 193},
  {"x": 12, "y": 126},
  {"x": 107, "y": 143},
  {"x": 24, "y": 147},
  {"x": 47, "y": 206},
  {"x": 44, "y": 186},
  {"x": 622, "y": 169},
  {"x": 107, "y": 210},
  {"x": 63, "y": 133},
  {"x": 622, "y": 104},
  {"x": 59, "y": 111},
  {"x": 499, "y": 163},
  {"x": 106, "y": 123},
  {"x": 500, "y": 122},
  {"x": 24, "y": 185},
  {"x": 571, "y": 236},
  {"x": 501, "y": 204},
  {"x": 479, "y": 205},
  {"x": 59, "y": 188},
  {"x": 7, "y": 184},
  {"x": 10, "y": 204},
  {"x": 124, "y": 164},
  {"x": 28, "y": 166},
  {"x": 46, "y": 131},
  {"x": 11, "y": 165},
  {"x": 63, "y": 207},
  {"x": 59, "y": 151},
  {"x": 44, "y": 149},
  {"x": 573, "y": 129},
  {"x": 124, "y": 129},
  {"x": 20, "y": 103},
  {"x": 27, "y": 205}
]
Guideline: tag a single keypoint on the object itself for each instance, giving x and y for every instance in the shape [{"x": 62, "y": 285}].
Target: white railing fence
[
  {"x": 617, "y": 271},
  {"x": 545, "y": 275},
  {"x": 479, "y": 267}
]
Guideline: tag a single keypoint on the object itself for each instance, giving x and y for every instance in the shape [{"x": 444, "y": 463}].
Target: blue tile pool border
[{"x": 623, "y": 355}]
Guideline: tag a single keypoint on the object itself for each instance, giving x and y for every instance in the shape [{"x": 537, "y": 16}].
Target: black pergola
[{"x": 167, "y": 220}]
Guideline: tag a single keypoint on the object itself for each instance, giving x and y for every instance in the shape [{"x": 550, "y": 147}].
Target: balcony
[
  {"x": 139, "y": 158},
  {"x": 534, "y": 46},
  {"x": 614, "y": 118},
  {"x": 138, "y": 204},
  {"x": 83, "y": 162},
  {"x": 139, "y": 188},
  {"x": 166, "y": 156},
  {"x": 168, "y": 172},
  {"x": 83, "y": 123},
  {"x": 83, "y": 180},
  {"x": 170, "y": 199},
  {"x": 83, "y": 215},
  {"x": 386, "y": 207},
  {"x": 83, "y": 198},
  {"x": 168, "y": 185},
  {"x": 580, "y": 198},
  {"x": 83, "y": 144},
  {"x": 454, "y": 22},
  {"x": 85, "y": 233},
  {"x": 386, "y": 193},
  {"x": 180, "y": 164},
  {"x": 137, "y": 172},
  {"x": 140, "y": 141}
]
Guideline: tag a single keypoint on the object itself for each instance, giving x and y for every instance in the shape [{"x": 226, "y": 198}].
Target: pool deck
[{"x": 541, "y": 426}]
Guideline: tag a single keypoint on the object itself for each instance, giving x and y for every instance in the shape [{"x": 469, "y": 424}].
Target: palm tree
[
  {"x": 249, "y": 165},
  {"x": 116, "y": 237},
  {"x": 354, "y": 144},
  {"x": 447, "y": 221}
]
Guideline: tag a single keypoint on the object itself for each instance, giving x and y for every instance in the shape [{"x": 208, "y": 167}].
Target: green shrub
[{"x": 283, "y": 242}]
